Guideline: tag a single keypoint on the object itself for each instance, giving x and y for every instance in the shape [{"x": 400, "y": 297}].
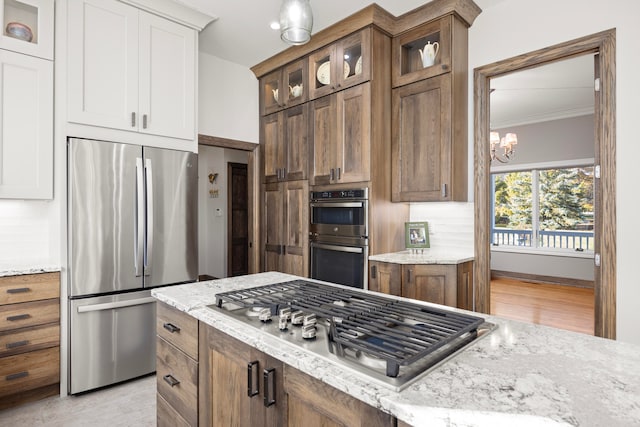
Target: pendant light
[{"x": 296, "y": 21}]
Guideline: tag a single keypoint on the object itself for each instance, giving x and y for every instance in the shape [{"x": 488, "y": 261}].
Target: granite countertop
[
  {"x": 19, "y": 270},
  {"x": 427, "y": 256},
  {"x": 520, "y": 374}
]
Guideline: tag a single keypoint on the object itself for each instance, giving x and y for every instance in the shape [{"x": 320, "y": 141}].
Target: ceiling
[{"x": 241, "y": 34}]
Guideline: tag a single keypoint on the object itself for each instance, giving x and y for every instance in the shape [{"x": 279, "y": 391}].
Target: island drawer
[
  {"x": 167, "y": 416},
  {"x": 29, "y": 287},
  {"x": 178, "y": 328},
  {"x": 14, "y": 316},
  {"x": 29, "y": 371},
  {"x": 177, "y": 380},
  {"x": 28, "y": 339}
]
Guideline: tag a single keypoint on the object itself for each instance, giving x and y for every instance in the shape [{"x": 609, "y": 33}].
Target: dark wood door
[{"x": 238, "y": 222}]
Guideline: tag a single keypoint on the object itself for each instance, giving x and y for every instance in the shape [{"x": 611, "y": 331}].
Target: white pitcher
[{"x": 428, "y": 54}]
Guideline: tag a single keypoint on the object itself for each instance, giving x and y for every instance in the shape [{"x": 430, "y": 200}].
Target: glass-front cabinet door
[
  {"x": 284, "y": 87},
  {"x": 27, "y": 27},
  {"x": 423, "y": 52},
  {"x": 340, "y": 65}
]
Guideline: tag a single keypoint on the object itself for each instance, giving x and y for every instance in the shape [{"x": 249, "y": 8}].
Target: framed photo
[{"x": 416, "y": 235}]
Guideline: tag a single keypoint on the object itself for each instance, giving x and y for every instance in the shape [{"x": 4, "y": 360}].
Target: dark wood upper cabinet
[
  {"x": 285, "y": 87},
  {"x": 285, "y": 145}
]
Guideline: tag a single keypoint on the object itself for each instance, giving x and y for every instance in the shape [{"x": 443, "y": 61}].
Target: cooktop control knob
[
  {"x": 265, "y": 315},
  {"x": 309, "y": 319},
  {"x": 297, "y": 318},
  {"x": 286, "y": 313},
  {"x": 309, "y": 331},
  {"x": 282, "y": 323}
]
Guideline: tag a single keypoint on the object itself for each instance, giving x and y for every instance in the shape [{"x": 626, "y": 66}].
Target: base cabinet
[
  {"x": 176, "y": 367},
  {"x": 445, "y": 284},
  {"x": 29, "y": 338},
  {"x": 312, "y": 403},
  {"x": 239, "y": 385}
]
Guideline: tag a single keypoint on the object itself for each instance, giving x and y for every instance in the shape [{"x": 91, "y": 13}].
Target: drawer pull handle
[
  {"x": 171, "y": 380},
  {"x": 16, "y": 376},
  {"x": 17, "y": 344},
  {"x": 269, "y": 387},
  {"x": 250, "y": 376},
  {"x": 18, "y": 290},
  {"x": 171, "y": 327},
  {"x": 18, "y": 317}
]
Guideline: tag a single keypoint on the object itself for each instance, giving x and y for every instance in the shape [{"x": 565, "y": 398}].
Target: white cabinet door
[
  {"x": 130, "y": 70},
  {"x": 167, "y": 77},
  {"x": 26, "y": 125},
  {"x": 103, "y": 64}
]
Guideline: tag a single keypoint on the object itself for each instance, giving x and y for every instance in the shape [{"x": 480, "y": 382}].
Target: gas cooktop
[{"x": 391, "y": 341}]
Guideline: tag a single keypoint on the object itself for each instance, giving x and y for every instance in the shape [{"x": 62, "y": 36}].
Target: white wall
[
  {"x": 228, "y": 100},
  {"x": 212, "y": 212},
  {"x": 514, "y": 27}
]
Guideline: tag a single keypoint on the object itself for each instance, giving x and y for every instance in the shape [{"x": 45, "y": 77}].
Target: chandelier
[
  {"x": 296, "y": 21},
  {"x": 507, "y": 143}
]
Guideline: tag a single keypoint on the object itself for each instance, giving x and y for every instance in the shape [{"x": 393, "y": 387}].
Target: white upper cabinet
[
  {"x": 26, "y": 126},
  {"x": 27, "y": 27},
  {"x": 130, "y": 70}
]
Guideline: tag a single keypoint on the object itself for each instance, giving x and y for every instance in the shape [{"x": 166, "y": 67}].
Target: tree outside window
[{"x": 549, "y": 208}]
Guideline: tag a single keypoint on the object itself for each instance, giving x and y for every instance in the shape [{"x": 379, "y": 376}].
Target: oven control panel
[{"x": 360, "y": 193}]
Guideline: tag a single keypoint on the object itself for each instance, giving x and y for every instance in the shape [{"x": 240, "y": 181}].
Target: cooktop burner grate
[{"x": 398, "y": 332}]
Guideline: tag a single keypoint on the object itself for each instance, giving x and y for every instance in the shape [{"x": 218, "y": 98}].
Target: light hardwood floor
[
  {"x": 129, "y": 404},
  {"x": 559, "y": 306}
]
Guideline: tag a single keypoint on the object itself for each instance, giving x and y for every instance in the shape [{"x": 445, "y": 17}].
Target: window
[{"x": 544, "y": 208}]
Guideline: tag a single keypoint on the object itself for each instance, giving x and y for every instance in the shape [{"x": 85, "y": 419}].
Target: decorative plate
[
  {"x": 324, "y": 73},
  {"x": 359, "y": 65},
  {"x": 347, "y": 68},
  {"x": 19, "y": 31}
]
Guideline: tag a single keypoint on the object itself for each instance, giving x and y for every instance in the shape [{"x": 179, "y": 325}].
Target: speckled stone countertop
[
  {"x": 427, "y": 256},
  {"x": 14, "y": 270},
  {"x": 519, "y": 375}
]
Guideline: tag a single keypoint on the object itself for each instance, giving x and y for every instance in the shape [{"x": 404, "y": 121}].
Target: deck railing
[{"x": 564, "y": 239}]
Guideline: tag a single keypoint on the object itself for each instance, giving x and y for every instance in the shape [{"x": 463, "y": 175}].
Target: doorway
[
  {"x": 238, "y": 220},
  {"x": 602, "y": 45}
]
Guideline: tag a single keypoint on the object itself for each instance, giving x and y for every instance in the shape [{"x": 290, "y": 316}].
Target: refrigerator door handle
[
  {"x": 138, "y": 222},
  {"x": 149, "y": 208},
  {"x": 117, "y": 304}
]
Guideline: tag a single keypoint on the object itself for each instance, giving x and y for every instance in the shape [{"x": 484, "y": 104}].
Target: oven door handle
[
  {"x": 337, "y": 205},
  {"x": 338, "y": 248}
]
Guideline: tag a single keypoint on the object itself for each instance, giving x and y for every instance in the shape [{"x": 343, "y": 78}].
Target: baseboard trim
[{"x": 536, "y": 278}]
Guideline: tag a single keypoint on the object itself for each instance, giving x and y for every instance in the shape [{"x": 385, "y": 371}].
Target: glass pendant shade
[{"x": 296, "y": 21}]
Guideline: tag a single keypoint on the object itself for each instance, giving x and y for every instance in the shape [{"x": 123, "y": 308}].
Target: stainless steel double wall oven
[{"x": 339, "y": 236}]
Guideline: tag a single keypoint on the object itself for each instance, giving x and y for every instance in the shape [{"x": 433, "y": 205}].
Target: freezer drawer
[{"x": 112, "y": 339}]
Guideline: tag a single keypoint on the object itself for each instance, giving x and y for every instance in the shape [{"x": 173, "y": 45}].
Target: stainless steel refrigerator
[{"x": 132, "y": 225}]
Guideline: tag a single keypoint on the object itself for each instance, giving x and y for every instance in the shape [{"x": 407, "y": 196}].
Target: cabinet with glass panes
[
  {"x": 285, "y": 87},
  {"x": 425, "y": 51},
  {"x": 340, "y": 65},
  {"x": 27, "y": 27}
]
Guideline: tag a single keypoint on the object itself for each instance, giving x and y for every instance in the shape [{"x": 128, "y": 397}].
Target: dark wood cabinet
[
  {"x": 285, "y": 87},
  {"x": 445, "y": 284},
  {"x": 29, "y": 338},
  {"x": 239, "y": 386},
  {"x": 340, "y": 134},
  {"x": 340, "y": 65},
  {"x": 176, "y": 367},
  {"x": 312, "y": 403},
  {"x": 429, "y": 119},
  {"x": 285, "y": 227},
  {"x": 284, "y": 145}
]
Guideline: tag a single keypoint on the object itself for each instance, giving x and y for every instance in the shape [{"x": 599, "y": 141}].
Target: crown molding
[{"x": 174, "y": 11}]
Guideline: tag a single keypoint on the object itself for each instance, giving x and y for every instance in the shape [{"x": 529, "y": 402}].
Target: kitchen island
[{"x": 520, "y": 374}]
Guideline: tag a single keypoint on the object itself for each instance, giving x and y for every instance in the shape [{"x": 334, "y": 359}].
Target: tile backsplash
[{"x": 450, "y": 223}]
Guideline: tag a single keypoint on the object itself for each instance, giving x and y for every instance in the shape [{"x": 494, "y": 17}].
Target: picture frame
[{"x": 416, "y": 235}]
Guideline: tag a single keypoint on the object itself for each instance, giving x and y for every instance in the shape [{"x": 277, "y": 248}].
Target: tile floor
[{"x": 129, "y": 404}]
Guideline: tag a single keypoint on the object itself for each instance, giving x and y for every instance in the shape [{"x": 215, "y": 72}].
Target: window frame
[{"x": 531, "y": 167}]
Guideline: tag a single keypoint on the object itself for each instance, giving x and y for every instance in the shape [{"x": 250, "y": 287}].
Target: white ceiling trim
[{"x": 544, "y": 117}]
